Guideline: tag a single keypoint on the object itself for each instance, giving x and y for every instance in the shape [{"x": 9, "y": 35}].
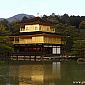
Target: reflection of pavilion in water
[{"x": 46, "y": 74}]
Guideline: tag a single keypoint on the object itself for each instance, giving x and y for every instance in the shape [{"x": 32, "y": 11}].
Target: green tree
[
  {"x": 75, "y": 21},
  {"x": 4, "y": 28},
  {"x": 59, "y": 28},
  {"x": 78, "y": 48},
  {"x": 82, "y": 25},
  {"x": 65, "y": 19},
  {"x": 14, "y": 27},
  {"x": 5, "y": 46},
  {"x": 70, "y": 35}
]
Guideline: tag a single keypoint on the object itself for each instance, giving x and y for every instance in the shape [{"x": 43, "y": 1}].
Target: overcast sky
[{"x": 8, "y": 8}]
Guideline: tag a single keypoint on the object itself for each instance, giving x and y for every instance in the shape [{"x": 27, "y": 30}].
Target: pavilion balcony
[{"x": 30, "y": 42}]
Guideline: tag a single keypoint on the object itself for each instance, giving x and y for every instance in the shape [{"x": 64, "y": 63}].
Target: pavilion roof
[{"x": 36, "y": 20}]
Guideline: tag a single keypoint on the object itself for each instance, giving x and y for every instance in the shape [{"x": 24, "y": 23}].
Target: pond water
[{"x": 56, "y": 73}]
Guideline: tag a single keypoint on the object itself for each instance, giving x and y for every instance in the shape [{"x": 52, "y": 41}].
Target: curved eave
[
  {"x": 36, "y": 20},
  {"x": 36, "y": 32}
]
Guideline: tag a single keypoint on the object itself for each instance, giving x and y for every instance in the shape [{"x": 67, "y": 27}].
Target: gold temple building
[{"x": 37, "y": 37}]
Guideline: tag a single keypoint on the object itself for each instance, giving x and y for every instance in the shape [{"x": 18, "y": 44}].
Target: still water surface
[{"x": 56, "y": 73}]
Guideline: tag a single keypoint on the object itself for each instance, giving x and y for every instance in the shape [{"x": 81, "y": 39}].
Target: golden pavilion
[{"x": 37, "y": 37}]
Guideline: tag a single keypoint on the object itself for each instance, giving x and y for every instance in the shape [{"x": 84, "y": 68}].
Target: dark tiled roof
[
  {"x": 35, "y": 32},
  {"x": 36, "y": 20}
]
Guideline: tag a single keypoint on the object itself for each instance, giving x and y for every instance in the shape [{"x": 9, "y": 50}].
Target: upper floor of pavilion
[{"x": 37, "y": 24}]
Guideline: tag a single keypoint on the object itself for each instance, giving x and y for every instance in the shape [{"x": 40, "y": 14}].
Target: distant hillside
[
  {"x": 19, "y": 17},
  {"x": 2, "y": 19}
]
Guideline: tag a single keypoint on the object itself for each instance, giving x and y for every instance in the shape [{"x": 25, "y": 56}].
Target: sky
[{"x": 9, "y": 8}]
